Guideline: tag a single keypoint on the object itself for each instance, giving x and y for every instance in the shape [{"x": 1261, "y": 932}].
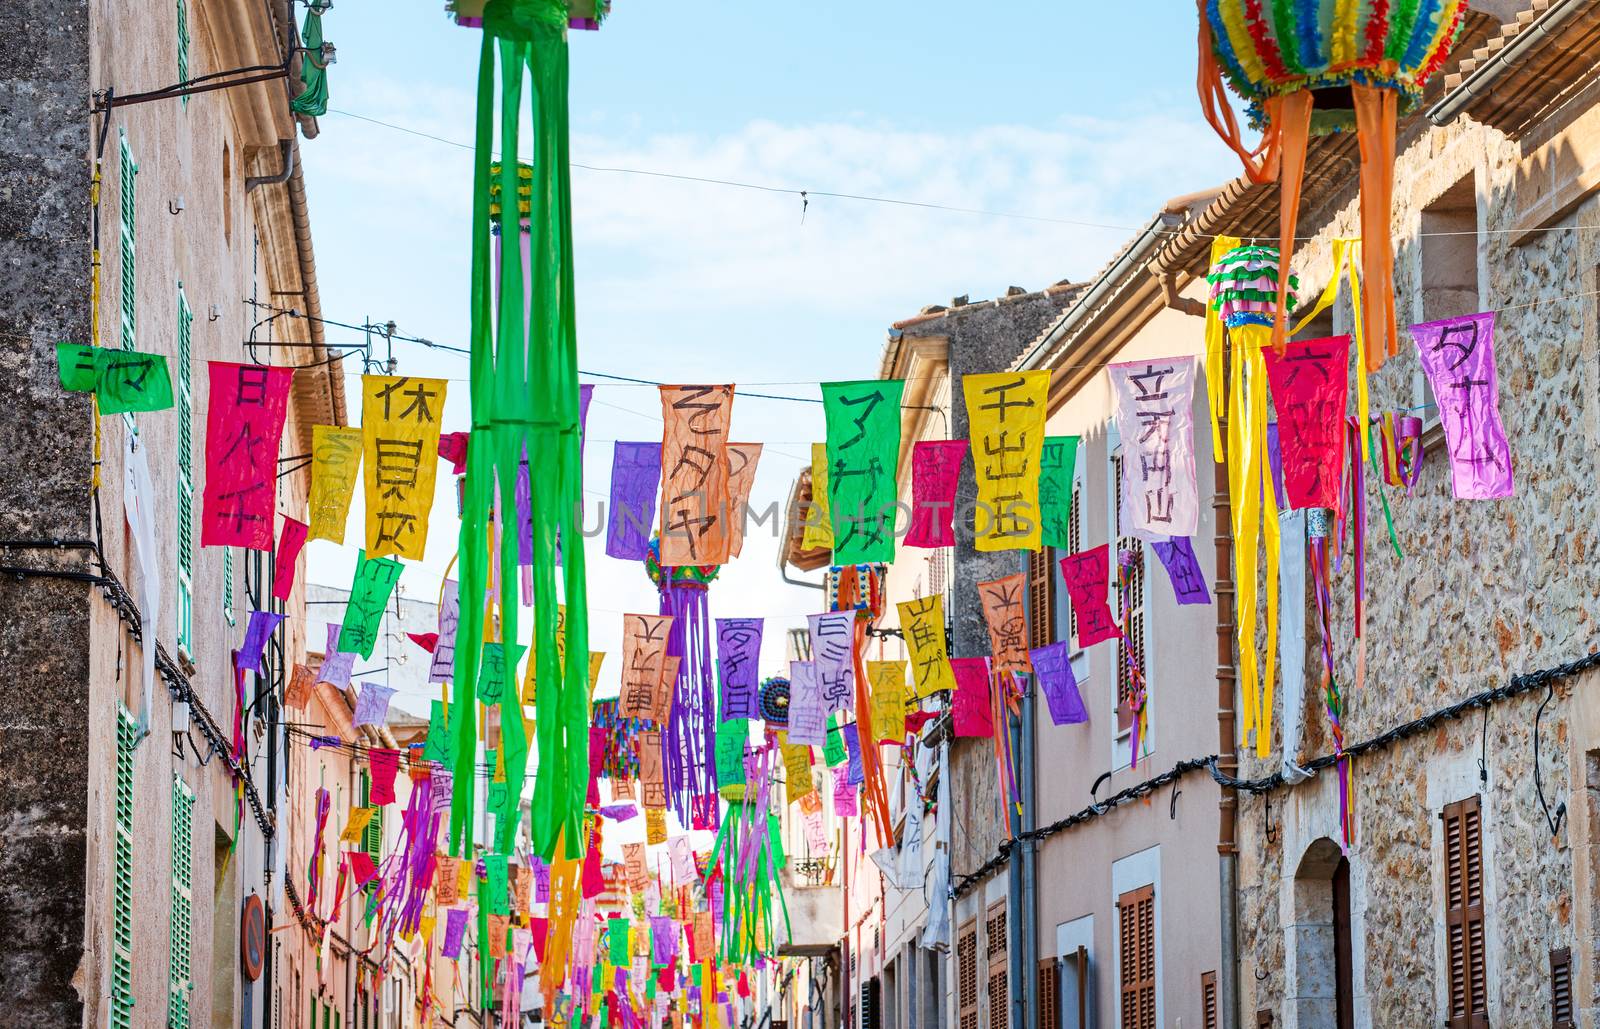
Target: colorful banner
[
  {"x": 372, "y": 704},
  {"x": 121, "y": 380},
  {"x": 818, "y": 520},
  {"x": 244, "y": 426},
  {"x": 644, "y": 653},
  {"x": 732, "y": 742},
  {"x": 1155, "y": 419},
  {"x": 336, "y": 664},
  {"x": 738, "y": 666},
  {"x": 863, "y": 456},
  {"x": 1004, "y": 613},
  {"x": 369, "y": 594},
  {"x": 1458, "y": 356},
  {"x": 443, "y": 668},
  {"x": 400, "y": 418},
  {"x": 694, "y": 474},
  {"x": 808, "y": 711},
  {"x": 1310, "y": 387},
  {"x": 1052, "y": 666},
  {"x": 1006, "y": 414},
  {"x": 833, "y": 649},
  {"x": 1183, "y": 569},
  {"x": 291, "y": 538},
  {"x": 971, "y": 712},
  {"x": 743, "y": 459},
  {"x": 335, "y": 462},
  {"x": 1057, "y": 469},
  {"x": 635, "y": 476},
  {"x": 1088, "y": 576},
  {"x": 797, "y": 772},
  {"x": 652, "y": 772},
  {"x": 922, "y": 622},
  {"x": 301, "y": 682},
  {"x": 888, "y": 683},
  {"x": 935, "y": 472}
]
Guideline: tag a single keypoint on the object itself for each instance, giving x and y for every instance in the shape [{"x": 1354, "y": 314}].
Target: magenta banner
[
  {"x": 1088, "y": 576},
  {"x": 935, "y": 469},
  {"x": 1458, "y": 356},
  {"x": 969, "y": 708}
]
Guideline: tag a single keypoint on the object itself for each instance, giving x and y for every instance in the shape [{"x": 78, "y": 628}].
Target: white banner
[{"x": 1155, "y": 418}]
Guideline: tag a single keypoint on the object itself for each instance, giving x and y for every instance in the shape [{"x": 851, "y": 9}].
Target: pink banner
[
  {"x": 290, "y": 539},
  {"x": 1310, "y": 386},
  {"x": 970, "y": 710},
  {"x": 1155, "y": 418},
  {"x": 935, "y": 469},
  {"x": 1458, "y": 355},
  {"x": 249, "y": 403},
  {"x": 1088, "y": 576}
]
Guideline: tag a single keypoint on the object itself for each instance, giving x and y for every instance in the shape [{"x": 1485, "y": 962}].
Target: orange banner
[{"x": 695, "y": 502}]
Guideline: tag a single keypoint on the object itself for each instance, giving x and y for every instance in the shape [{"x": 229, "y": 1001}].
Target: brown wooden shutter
[
  {"x": 1264, "y": 1019},
  {"x": 1463, "y": 915},
  {"x": 1050, "y": 993},
  {"x": 999, "y": 957},
  {"x": 1561, "y": 1016},
  {"x": 1208, "y": 1000},
  {"x": 967, "y": 975},
  {"x": 1136, "y": 920},
  {"x": 1041, "y": 597}
]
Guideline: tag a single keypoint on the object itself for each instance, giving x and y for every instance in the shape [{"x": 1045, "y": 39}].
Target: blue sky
[{"x": 1058, "y": 110}]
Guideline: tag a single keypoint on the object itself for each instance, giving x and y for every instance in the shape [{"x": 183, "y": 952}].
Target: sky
[{"x": 1068, "y": 117}]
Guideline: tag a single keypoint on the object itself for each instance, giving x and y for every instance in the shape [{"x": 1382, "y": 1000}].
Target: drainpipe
[
  {"x": 286, "y": 151},
  {"x": 1016, "y": 918},
  {"x": 1030, "y": 871},
  {"x": 1227, "y": 755}
]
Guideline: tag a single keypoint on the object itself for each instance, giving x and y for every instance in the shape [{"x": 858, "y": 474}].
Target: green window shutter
[
  {"x": 127, "y": 174},
  {"x": 186, "y": 475},
  {"x": 182, "y": 903},
  {"x": 227, "y": 584},
  {"x": 372, "y": 835},
  {"x": 183, "y": 45},
  {"x": 122, "y": 877}
]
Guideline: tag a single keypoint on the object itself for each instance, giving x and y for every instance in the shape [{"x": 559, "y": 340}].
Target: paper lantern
[{"x": 1312, "y": 67}]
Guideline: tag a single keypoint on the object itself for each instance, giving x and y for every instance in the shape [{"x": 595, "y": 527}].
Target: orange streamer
[
  {"x": 1293, "y": 123},
  {"x": 1376, "y": 114}
]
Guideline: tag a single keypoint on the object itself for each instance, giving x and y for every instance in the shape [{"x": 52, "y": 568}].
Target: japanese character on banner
[
  {"x": 443, "y": 666},
  {"x": 922, "y": 622},
  {"x": 863, "y": 457},
  {"x": 1183, "y": 568},
  {"x": 1005, "y": 614},
  {"x": 335, "y": 463},
  {"x": 844, "y": 797},
  {"x": 369, "y": 595},
  {"x": 743, "y": 460},
  {"x": 695, "y": 475},
  {"x": 808, "y": 710},
  {"x": 652, "y": 772},
  {"x": 833, "y": 648},
  {"x": 738, "y": 664},
  {"x": 1458, "y": 357},
  {"x": 637, "y": 871},
  {"x": 244, "y": 426},
  {"x": 888, "y": 682},
  {"x": 935, "y": 473},
  {"x": 121, "y": 380},
  {"x": 291, "y": 538},
  {"x": 796, "y": 770},
  {"x": 811, "y": 819},
  {"x": 644, "y": 658},
  {"x": 971, "y": 713},
  {"x": 400, "y": 417},
  {"x": 1057, "y": 467},
  {"x": 1155, "y": 418},
  {"x": 815, "y": 516},
  {"x": 1006, "y": 415},
  {"x": 1087, "y": 575},
  {"x": 1310, "y": 387}
]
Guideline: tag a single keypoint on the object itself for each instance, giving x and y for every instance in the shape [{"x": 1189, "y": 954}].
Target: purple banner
[
  {"x": 372, "y": 704},
  {"x": 808, "y": 712},
  {"x": 336, "y": 666},
  {"x": 1458, "y": 356},
  {"x": 1052, "y": 666},
  {"x": 455, "y": 927},
  {"x": 1183, "y": 568},
  {"x": 635, "y": 476},
  {"x": 739, "y": 663},
  {"x": 854, "y": 772},
  {"x": 261, "y": 627},
  {"x": 833, "y": 647},
  {"x": 935, "y": 470},
  {"x": 443, "y": 668}
]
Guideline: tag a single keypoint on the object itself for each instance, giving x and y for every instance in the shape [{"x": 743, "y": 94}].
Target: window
[
  {"x": 1041, "y": 597},
  {"x": 182, "y": 904},
  {"x": 122, "y": 877},
  {"x": 186, "y": 477},
  {"x": 999, "y": 966},
  {"x": 1561, "y": 1015},
  {"x": 183, "y": 46},
  {"x": 871, "y": 995},
  {"x": 1463, "y": 915},
  {"x": 1050, "y": 993},
  {"x": 1136, "y": 957},
  {"x": 1208, "y": 1000},
  {"x": 372, "y": 838},
  {"x": 967, "y": 976},
  {"x": 1449, "y": 259},
  {"x": 1131, "y": 649},
  {"x": 1077, "y": 989}
]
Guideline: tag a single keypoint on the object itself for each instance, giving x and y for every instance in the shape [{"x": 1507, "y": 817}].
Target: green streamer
[
  {"x": 524, "y": 388},
  {"x": 313, "y": 98}
]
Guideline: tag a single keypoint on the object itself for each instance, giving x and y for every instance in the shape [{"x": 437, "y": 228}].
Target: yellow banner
[
  {"x": 818, "y": 520},
  {"x": 922, "y": 621},
  {"x": 335, "y": 460},
  {"x": 400, "y": 418},
  {"x": 1005, "y": 416},
  {"x": 797, "y": 770},
  {"x": 888, "y": 680}
]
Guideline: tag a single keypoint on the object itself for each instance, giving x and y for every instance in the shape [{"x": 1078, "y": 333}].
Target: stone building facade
[
  {"x": 1468, "y": 895},
  {"x": 132, "y": 849}
]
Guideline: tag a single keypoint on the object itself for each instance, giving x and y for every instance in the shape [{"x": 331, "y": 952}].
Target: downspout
[
  {"x": 1016, "y": 933},
  {"x": 286, "y": 151},
  {"x": 1030, "y": 870}
]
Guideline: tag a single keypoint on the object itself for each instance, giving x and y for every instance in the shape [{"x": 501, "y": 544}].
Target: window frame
[{"x": 966, "y": 984}]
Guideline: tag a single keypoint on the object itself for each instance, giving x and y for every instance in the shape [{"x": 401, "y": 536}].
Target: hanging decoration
[
  {"x": 1006, "y": 414},
  {"x": 1316, "y": 67},
  {"x": 400, "y": 420},
  {"x": 690, "y": 734},
  {"x": 935, "y": 473},
  {"x": 863, "y": 451},
  {"x": 1155, "y": 419},
  {"x": 244, "y": 425},
  {"x": 1458, "y": 356}
]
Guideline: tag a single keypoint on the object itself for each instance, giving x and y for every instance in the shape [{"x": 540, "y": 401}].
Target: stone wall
[{"x": 1486, "y": 590}]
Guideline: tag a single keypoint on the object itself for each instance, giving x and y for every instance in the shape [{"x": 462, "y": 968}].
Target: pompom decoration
[
  {"x": 1312, "y": 67},
  {"x": 702, "y": 575},
  {"x": 1244, "y": 286}
]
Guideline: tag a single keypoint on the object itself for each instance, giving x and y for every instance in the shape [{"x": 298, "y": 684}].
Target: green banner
[
  {"x": 863, "y": 457},
  {"x": 617, "y": 936},
  {"x": 731, "y": 740},
  {"x": 1056, "y": 465},
  {"x": 437, "y": 746},
  {"x": 122, "y": 380},
  {"x": 833, "y": 749},
  {"x": 369, "y": 595}
]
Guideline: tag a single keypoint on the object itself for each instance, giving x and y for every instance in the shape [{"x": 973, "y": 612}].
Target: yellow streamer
[
  {"x": 1251, "y": 495},
  {"x": 1216, "y": 343}
]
